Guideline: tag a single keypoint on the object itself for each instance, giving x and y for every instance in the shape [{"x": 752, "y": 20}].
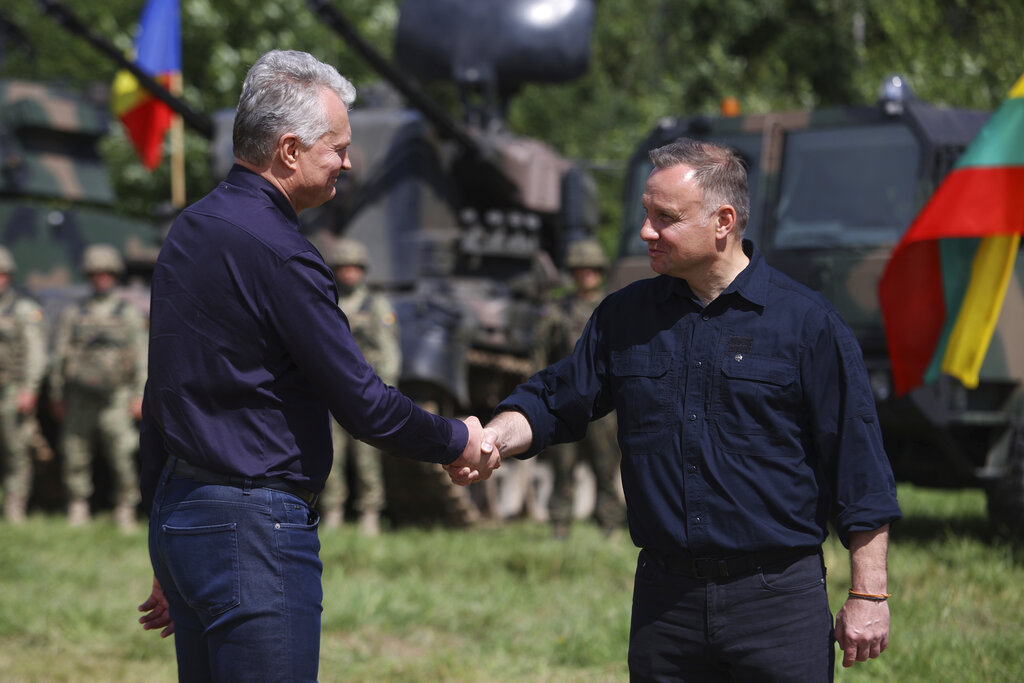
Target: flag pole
[{"x": 177, "y": 148}]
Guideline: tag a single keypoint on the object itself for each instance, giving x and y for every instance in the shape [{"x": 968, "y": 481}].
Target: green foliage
[
  {"x": 501, "y": 604},
  {"x": 962, "y": 53}
]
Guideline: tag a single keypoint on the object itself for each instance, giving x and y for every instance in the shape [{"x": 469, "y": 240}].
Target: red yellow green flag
[{"x": 943, "y": 288}]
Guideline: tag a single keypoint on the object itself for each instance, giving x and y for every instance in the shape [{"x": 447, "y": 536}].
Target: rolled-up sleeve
[{"x": 846, "y": 432}]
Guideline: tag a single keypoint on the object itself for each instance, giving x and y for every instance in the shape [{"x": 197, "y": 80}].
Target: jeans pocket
[
  {"x": 299, "y": 517},
  {"x": 203, "y": 561}
]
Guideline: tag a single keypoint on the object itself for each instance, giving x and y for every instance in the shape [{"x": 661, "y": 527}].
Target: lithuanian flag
[
  {"x": 944, "y": 285},
  {"x": 158, "y": 53}
]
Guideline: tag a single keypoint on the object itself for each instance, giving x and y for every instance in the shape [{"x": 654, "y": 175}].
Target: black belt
[
  {"x": 184, "y": 469},
  {"x": 726, "y": 567}
]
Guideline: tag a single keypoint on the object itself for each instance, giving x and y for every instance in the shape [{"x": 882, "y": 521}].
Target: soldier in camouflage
[
  {"x": 561, "y": 325},
  {"x": 375, "y": 329},
  {"x": 22, "y": 365},
  {"x": 96, "y": 382}
]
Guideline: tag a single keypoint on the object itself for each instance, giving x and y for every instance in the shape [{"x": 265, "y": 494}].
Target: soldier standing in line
[
  {"x": 22, "y": 364},
  {"x": 561, "y": 325},
  {"x": 375, "y": 330},
  {"x": 96, "y": 383}
]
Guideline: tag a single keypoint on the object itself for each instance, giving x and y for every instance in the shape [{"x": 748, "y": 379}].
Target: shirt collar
[
  {"x": 751, "y": 283},
  {"x": 250, "y": 180}
]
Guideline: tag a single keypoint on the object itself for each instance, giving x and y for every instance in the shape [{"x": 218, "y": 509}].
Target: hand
[
  {"x": 862, "y": 630},
  {"x": 158, "y": 615},
  {"x": 26, "y": 402},
  {"x": 135, "y": 407},
  {"x": 479, "y": 458}
]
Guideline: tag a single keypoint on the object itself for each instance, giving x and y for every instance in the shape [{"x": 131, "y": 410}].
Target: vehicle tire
[{"x": 1006, "y": 495}]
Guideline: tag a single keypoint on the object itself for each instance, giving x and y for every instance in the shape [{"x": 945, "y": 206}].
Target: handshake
[{"x": 480, "y": 457}]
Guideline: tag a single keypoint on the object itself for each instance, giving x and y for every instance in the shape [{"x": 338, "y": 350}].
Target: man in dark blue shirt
[
  {"x": 746, "y": 422},
  {"x": 249, "y": 358}
]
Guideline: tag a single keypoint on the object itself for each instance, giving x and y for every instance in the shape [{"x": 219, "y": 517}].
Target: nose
[
  {"x": 346, "y": 162},
  {"x": 647, "y": 232}
]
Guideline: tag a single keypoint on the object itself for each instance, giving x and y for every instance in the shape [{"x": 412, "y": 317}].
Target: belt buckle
[{"x": 709, "y": 568}]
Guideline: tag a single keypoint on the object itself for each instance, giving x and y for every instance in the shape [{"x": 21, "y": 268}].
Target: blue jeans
[
  {"x": 772, "y": 625},
  {"x": 241, "y": 571}
]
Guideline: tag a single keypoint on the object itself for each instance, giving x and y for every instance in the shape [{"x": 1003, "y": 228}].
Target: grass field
[{"x": 499, "y": 604}]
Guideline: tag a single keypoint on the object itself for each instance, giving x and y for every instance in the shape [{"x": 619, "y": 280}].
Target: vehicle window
[{"x": 846, "y": 187}]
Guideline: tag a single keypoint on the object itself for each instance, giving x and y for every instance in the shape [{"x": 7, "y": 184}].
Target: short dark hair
[{"x": 718, "y": 170}]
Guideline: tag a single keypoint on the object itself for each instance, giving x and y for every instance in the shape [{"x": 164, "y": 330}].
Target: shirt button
[
  {"x": 738, "y": 357},
  {"x": 696, "y": 520},
  {"x": 705, "y": 317},
  {"x": 691, "y": 468},
  {"x": 697, "y": 364},
  {"x": 691, "y": 417}
]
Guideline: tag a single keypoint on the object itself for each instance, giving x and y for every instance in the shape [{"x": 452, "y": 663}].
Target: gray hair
[
  {"x": 718, "y": 171},
  {"x": 282, "y": 94}
]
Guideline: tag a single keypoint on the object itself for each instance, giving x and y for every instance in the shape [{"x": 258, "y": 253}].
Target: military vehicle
[
  {"x": 466, "y": 223},
  {"x": 55, "y": 193},
  {"x": 832, "y": 192}
]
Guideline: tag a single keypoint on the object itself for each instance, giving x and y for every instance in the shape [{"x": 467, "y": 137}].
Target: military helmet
[
  {"x": 7, "y": 264},
  {"x": 348, "y": 252},
  {"x": 586, "y": 253},
  {"x": 102, "y": 258}
]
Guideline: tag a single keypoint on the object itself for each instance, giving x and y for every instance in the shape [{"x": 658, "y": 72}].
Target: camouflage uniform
[
  {"x": 561, "y": 325},
  {"x": 99, "y": 367},
  {"x": 22, "y": 365},
  {"x": 375, "y": 329}
]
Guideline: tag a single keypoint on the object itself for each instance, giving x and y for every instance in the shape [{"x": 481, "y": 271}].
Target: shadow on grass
[{"x": 925, "y": 530}]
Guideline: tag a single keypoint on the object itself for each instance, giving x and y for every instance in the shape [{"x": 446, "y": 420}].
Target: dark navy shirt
[
  {"x": 743, "y": 425},
  {"x": 249, "y": 351}
]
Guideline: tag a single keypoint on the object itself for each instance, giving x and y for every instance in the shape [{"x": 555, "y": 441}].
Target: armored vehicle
[
  {"x": 466, "y": 223},
  {"x": 832, "y": 192},
  {"x": 55, "y": 194}
]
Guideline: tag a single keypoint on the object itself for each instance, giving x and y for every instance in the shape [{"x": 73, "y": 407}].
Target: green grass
[{"x": 498, "y": 604}]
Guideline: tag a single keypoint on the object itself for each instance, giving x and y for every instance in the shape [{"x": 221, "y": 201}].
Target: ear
[
  {"x": 725, "y": 221},
  {"x": 288, "y": 150}
]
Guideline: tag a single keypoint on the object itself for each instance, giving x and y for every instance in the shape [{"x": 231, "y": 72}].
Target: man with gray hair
[
  {"x": 746, "y": 424},
  {"x": 249, "y": 358}
]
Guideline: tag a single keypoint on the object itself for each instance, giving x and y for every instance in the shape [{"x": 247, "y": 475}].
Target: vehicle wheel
[{"x": 1006, "y": 495}]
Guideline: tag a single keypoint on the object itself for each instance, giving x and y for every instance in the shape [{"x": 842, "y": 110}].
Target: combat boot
[
  {"x": 78, "y": 513},
  {"x": 14, "y": 509},
  {"x": 124, "y": 517},
  {"x": 369, "y": 523}
]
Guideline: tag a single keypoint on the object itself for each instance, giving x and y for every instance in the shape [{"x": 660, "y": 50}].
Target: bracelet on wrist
[{"x": 874, "y": 597}]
